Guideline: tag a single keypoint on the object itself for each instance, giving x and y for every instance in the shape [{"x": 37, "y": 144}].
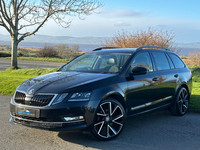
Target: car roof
[
  {"x": 130, "y": 50},
  {"x": 117, "y": 50}
]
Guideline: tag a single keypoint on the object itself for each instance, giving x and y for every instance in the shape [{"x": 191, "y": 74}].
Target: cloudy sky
[{"x": 180, "y": 16}]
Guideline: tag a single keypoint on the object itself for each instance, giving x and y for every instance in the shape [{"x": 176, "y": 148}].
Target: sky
[{"x": 182, "y": 17}]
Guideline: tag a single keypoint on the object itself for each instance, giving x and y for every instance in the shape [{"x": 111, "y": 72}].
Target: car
[{"x": 97, "y": 91}]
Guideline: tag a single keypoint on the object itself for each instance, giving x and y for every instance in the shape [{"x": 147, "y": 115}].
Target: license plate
[{"x": 28, "y": 112}]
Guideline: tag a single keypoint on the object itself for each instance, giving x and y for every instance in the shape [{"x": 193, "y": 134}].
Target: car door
[
  {"x": 142, "y": 89},
  {"x": 167, "y": 77}
]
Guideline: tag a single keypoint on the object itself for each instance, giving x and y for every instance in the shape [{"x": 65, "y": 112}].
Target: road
[
  {"x": 156, "y": 131},
  {"x": 5, "y": 63}
]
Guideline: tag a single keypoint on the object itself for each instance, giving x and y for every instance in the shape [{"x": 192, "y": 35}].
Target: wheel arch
[{"x": 117, "y": 96}]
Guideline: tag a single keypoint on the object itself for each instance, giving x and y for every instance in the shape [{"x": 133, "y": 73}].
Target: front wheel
[
  {"x": 180, "y": 105},
  {"x": 109, "y": 121}
]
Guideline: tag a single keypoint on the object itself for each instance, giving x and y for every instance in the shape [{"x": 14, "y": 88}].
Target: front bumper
[
  {"x": 53, "y": 126},
  {"x": 54, "y": 117}
]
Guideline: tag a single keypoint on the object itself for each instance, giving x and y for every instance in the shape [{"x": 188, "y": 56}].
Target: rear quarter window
[{"x": 177, "y": 61}]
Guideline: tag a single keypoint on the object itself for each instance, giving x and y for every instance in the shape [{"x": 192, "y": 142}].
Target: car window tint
[
  {"x": 142, "y": 60},
  {"x": 86, "y": 62},
  {"x": 177, "y": 61},
  {"x": 170, "y": 62},
  {"x": 161, "y": 60}
]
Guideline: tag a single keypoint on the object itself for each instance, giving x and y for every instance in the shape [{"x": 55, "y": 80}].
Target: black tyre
[
  {"x": 181, "y": 102},
  {"x": 109, "y": 121}
]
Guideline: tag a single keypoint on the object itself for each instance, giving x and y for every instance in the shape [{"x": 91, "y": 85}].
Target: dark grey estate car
[{"x": 97, "y": 91}]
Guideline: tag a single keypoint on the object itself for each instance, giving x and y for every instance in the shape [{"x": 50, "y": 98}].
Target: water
[{"x": 86, "y": 47}]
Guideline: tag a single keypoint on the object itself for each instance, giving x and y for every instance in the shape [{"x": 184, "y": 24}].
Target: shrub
[
  {"x": 151, "y": 37},
  {"x": 23, "y": 53},
  {"x": 47, "y": 51},
  {"x": 65, "y": 52},
  {"x": 194, "y": 59},
  {"x": 5, "y": 54}
]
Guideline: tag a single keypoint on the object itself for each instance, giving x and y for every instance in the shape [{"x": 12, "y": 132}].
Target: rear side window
[
  {"x": 161, "y": 60},
  {"x": 177, "y": 61}
]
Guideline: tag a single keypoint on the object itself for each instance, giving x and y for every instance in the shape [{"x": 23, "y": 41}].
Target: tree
[
  {"x": 151, "y": 37},
  {"x": 75, "y": 47},
  {"x": 18, "y": 16}
]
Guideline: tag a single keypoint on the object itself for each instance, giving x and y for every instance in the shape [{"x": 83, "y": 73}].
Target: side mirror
[{"x": 139, "y": 71}]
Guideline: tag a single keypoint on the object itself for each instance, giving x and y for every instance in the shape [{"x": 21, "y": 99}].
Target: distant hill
[
  {"x": 59, "y": 39},
  {"x": 79, "y": 40},
  {"x": 195, "y": 45}
]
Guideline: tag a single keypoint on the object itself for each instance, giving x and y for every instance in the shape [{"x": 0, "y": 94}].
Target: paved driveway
[{"x": 156, "y": 131}]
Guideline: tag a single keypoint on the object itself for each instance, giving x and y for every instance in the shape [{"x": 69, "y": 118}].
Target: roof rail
[
  {"x": 152, "y": 47},
  {"x": 100, "y": 48}
]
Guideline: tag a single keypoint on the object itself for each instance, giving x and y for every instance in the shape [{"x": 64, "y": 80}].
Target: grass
[
  {"x": 40, "y": 59},
  {"x": 11, "y": 79},
  {"x": 8, "y": 52},
  {"x": 194, "y": 105}
]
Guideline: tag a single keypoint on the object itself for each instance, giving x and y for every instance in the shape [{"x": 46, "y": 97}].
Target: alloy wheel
[
  {"x": 183, "y": 101},
  {"x": 109, "y": 120}
]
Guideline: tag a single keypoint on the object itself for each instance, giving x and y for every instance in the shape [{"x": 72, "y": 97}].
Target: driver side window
[{"x": 142, "y": 60}]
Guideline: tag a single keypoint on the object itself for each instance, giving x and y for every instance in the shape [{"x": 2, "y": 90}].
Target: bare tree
[
  {"x": 75, "y": 47},
  {"x": 19, "y": 16}
]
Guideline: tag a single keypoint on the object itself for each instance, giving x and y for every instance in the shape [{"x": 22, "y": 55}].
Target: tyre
[
  {"x": 181, "y": 102},
  {"x": 109, "y": 120}
]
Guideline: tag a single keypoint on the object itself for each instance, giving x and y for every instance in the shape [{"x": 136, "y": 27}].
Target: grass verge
[
  {"x": 41, "y": 59},
  {"x": 11, "y": 79},
  {"x": 194, "y": 105}
]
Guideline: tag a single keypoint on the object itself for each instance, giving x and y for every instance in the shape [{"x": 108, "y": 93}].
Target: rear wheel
[
  {"x": 180, "y": 105},
  {"x": 109, "y": 120}
]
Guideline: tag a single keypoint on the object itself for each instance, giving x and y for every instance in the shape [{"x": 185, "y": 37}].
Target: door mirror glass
[{"x": 139, "y": 71}]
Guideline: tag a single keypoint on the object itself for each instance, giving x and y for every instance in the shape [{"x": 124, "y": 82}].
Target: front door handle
[{"x": 176, "y": 75}]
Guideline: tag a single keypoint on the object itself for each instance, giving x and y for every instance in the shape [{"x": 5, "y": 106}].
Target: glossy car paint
[{"x": 136, "y": 93}]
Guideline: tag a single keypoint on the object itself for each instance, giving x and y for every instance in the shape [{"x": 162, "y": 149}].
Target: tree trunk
[{"x": 14, "y": 52}]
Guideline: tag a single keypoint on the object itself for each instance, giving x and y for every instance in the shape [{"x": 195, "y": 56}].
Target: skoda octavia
[{"x": 98, "y": 90}]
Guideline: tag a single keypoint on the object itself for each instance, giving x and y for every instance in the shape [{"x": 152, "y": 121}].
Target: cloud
[
  {"x": 121, "y": 13},
  {"x": 121, "y": 24}
]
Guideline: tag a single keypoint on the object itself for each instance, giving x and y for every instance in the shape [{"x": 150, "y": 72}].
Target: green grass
[
  {"x": 41, "y": 59},
  {"x": 5, "y": 52},
  {"x": 194, "y": 105},
  {"x": 11, "y": 79}
]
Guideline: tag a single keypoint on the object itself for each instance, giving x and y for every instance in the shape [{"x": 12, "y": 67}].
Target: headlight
[
  {"x": 81, "y": 96},
  {"x": 59, "y": 98}
]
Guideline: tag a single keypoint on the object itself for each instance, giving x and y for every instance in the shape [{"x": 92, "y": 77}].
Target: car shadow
[
  {"x": 135, "y": 127},
  {"x": 194, "y": 103}
]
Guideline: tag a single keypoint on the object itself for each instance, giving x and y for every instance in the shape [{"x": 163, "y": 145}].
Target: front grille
[
  {"x": 37, "y": 100},
  {"x": 41, "y": 100},
  {"x": 20, "y": 98}
]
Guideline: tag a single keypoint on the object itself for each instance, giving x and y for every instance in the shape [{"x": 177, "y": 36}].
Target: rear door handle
[
  {"x": 155, "y": 79},
  {"x": 176, "y": 75}
]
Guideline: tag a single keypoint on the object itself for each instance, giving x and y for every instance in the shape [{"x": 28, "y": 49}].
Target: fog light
[{"x": 77, "y": 118}]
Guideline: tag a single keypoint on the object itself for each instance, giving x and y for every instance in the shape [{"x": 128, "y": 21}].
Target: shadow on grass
[{"x": 194, "y": 105}]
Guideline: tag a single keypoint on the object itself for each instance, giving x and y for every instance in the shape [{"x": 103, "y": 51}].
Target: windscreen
[{"x": 98, "y": 62}]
